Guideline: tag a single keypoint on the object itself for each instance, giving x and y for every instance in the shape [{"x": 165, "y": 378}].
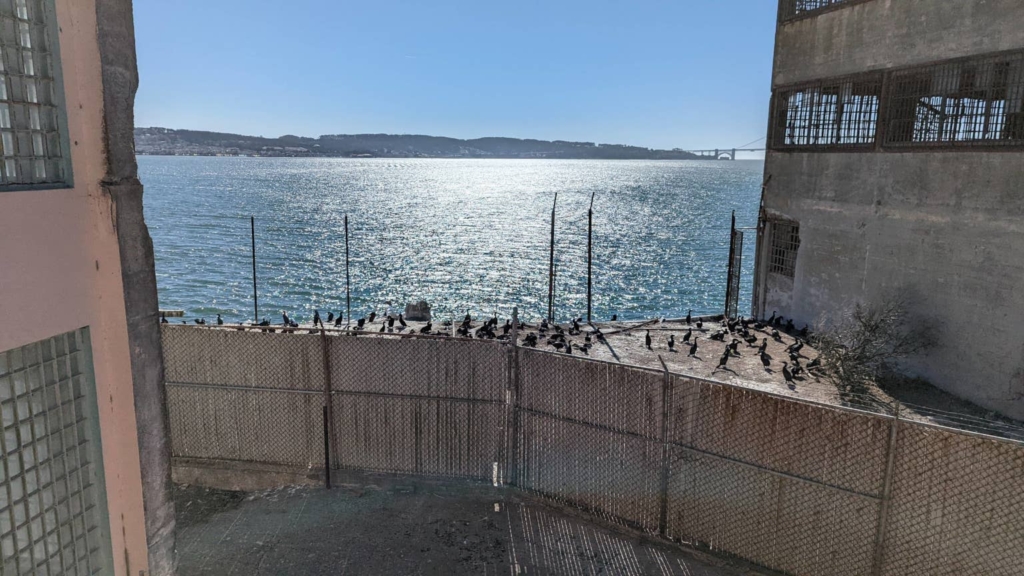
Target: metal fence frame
[{"x": 795, "y": 486}]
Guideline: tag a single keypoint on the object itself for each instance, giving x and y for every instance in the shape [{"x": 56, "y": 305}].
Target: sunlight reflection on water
[{"x": 461, "y": 234}]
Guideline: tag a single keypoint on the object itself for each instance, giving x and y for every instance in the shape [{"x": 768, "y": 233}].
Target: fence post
[
  {"x": 328, "y": 407},
  {"x": 512, "y": 404},
  {"x": 666, "y": 400},
  {"x": 883, "y": 511}
]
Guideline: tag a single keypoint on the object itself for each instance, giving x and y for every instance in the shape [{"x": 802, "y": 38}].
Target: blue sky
[{"x": 667, "y": 73}]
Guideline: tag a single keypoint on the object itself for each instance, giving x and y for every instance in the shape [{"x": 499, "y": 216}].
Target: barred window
[
  {"x": 785, "y": 243},
  {"x": 791, "y": 9},
  {"x": 976, "y": 102},
  {"x": 33, "y": 151},
  {"x": 838, "y": 113}
]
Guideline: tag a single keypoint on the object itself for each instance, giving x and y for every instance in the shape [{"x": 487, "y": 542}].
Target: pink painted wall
[{"x": 60, "y": 271}]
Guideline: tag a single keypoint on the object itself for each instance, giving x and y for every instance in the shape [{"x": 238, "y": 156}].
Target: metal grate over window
[
  {"x": 976, "y": 102},
  {"x": 838, "y": 113},
  {"x": 785, "y": 243},
  {"x": 52, "y": 497},
  {"x": 791, "y": 9},
  {"x": 31, "y": 141}
]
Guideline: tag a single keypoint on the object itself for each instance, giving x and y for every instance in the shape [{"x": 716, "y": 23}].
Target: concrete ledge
[{"x": 243, "y": 476}]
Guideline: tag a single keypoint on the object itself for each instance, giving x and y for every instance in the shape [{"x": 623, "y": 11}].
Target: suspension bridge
[{"x": 726, "y": 153}]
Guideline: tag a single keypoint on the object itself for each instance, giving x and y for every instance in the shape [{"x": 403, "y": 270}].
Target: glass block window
[
  {"x": 32, "y": 133},
  {"x": 785, "y": 244},
  {"x": 53, "y": 517},
  {"x": 973, "y": 102},
  {"x": 837, "y": 113}
]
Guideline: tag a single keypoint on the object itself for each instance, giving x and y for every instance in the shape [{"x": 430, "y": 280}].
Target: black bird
[
  {"x": 373, "y": 315},
  {"x": 686, "y": 337},
  {"x": 401, "y": 320},
  {"x": 796, "y": 347},
  {"x": 789, "y": 325},
  {"x": 330, "y": 316},
  {"x": 360, "y": 323},
  {"x": 468, "y": 319},
  {"x": 735, "y": 347},
  {"x": 163, "y": 318},
  {"x": 814, "y": 363},
  {"x": 700, "y": 324},
  {"x": 647, "y": 340},
  {"x": 337, "y": 322},
  {"x": 199, "y": 321},
  {"x": 316, "y": 319},
  {"x": 671, "y": 342},
  {"x": 766, "y": 360},
  {"x": 776, "y": 336},
  {"x": 568, "y": 348},
  {"x": 506, "y": 327},
  {"x": 391, "y": 322},
  {"x": 787, "y": 374},
  {"x": 803, "y": 332},
  {"x": 265, "y": 322},
  {"x": 724, "y": 359},
  {"x": 285, "y": 319},
  {"x": 764, "y": 346},
  {"x": 615, "y": 317},
  {"x": 183, "y": 322},
  {"x": 693, "y": 347},
  {"x": 426, "y": 329},
  {"x": 382, "y": 325},
  {"x": 688, "y": 317},
  {"x": 220, "y": 321},
  {"x": 587, "y": 338},
  {"x": 719, "y": 335},
  {"x": 778, "y": 322},
  {"x": 772, "y": 319}
]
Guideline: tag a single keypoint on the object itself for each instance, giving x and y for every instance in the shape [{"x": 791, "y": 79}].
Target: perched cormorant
[
  {"x": 688, "y": 335},
  {"x": 316, "y": 319},
  {"x": 330, "y": 316},
  {"x": 426, "y": 329},
  {"x": 693, "y": 347},
  {"x": 671, "y": 342},
  {"x": 373, "y": 315},
  {"x": 401, "y": 320},
  {"x": 688, "y": 317},
  {"x": 163, "y": 318},
  {"x": 220, "y": 321},
  {"x": 647, "y": 340}
]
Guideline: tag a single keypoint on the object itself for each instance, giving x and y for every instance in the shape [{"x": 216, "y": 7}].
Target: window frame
[
  {"x": 787, "y": 267},
  {"x": 779, "y": 108},
  {"x": 788, "y": 12},
  {"x": 53, "y": 31}
]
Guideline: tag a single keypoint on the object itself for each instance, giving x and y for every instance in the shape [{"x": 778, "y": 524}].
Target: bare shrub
[{"x": 863, "y": 344}]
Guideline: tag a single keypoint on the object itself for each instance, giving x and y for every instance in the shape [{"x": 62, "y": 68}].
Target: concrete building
[
  {"x": 896, "y": 162},
  {"x": 84, "y": 476}
]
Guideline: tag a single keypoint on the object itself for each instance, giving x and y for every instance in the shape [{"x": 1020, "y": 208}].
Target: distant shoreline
[
  {"x": 172, "y": 142},
  {"x": 257, "y": 156}
]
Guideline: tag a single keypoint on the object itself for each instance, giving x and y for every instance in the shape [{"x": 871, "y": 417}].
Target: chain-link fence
[{"x": 798, "y": 487}]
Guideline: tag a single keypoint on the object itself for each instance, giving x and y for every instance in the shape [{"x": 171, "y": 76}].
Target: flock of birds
[{"x": 732, "y": 333}]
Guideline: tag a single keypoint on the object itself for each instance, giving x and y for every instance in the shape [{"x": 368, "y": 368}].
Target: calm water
[{"x": 461, "y": 234}]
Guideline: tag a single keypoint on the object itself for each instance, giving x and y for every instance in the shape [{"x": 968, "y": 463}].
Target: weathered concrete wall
[
  {"x": 944, "y": 224},
  {"x": 947, "y": 226},
  {"x": 60, "y": 270},
  {"x": 893, "y": 33}
]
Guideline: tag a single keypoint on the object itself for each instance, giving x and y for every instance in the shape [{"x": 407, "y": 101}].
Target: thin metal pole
[
  {"x": 255, "y": 299},
  {"x": 732, "y": 255},
  {"x": 666, "y": 401},
  {"x": 348, "y": 286},
  {"x": 551, "y": 266},
  {"x": 328, "y": 406},
  {"x": 590, "y": 256},
  {"x": 881, "y": 531}
]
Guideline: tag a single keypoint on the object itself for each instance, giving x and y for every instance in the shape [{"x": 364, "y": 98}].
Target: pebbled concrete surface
[{"x": 402, "y": 525}]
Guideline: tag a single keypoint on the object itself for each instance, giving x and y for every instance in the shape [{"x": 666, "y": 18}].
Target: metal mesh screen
[
  {"x": 837, "y": 113},
  {"x": 975, "y": 102},
  {"x": 785, "y": 244},
  {"x": 428, "y": 406},
  {"x": 798, "y": 487},
  {"x": 790, "y": 9},
  {"x": 957, "y": 505},
  {"x": 590, "y": 434},
  {"x": 53, "y": 517}
]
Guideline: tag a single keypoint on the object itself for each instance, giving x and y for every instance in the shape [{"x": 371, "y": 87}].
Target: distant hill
[{"x": 169, "y": 142}]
